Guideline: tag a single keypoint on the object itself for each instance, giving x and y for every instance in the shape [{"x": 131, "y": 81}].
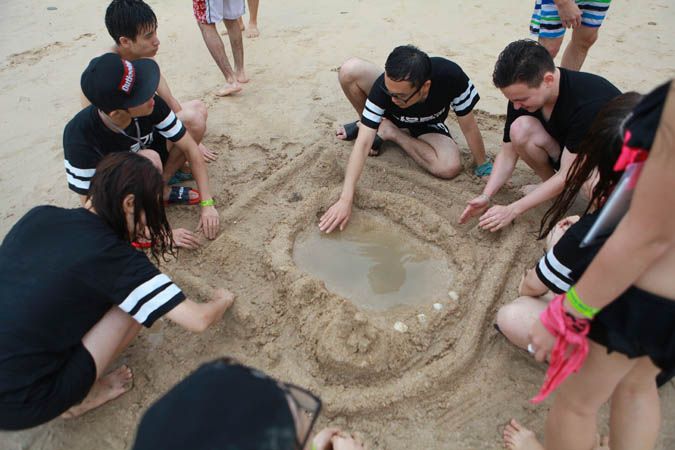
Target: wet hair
[
  {"x": 599, "y": 150},
  {"x": 119, "y": 174},
  {"x": 129, "y": 18},
  {"x": 408, "y": 63},
  {"x": 524, "y": 61}
]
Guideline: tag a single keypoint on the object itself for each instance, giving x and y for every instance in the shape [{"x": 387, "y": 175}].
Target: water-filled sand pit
[
  {"x": 374, "y": 264},
  {"x": 433, "y": 376}
]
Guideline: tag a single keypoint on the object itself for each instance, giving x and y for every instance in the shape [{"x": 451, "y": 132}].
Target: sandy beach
[{"x": 448, "y": 382}]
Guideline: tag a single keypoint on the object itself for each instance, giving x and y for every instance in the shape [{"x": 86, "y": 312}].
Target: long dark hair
[
  {"x": 119, "y": 174},
  {"x": 598, "y": 150}
]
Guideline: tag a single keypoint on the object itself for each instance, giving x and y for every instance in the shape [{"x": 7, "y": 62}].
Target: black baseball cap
[
  {"x": 111, "y": 82},
  {"x": 219, "y": 406}
]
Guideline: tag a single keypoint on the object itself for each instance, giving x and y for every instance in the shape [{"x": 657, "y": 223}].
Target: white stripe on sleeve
[
  {"x": 553, "y": 278},
  {"x": 370, "y": 116},
  {"x": 557, "y": 265},
  {"x": 467, "y": 103},
  {"x": 84, "y": 173},
  {"x": 167, "y": 121},
  {"x": 144, "y": 289},
  {"x": 77, "y": 182},
  {"x": 374, "y": 108},
  {"x": 173, "y": 131},
  {"x": 156, "y": 302}
]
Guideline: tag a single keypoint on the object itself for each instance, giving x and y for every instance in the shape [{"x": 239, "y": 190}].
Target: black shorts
[
  {"x": 418, "y": 130},
  {"x": 53, "y": 395},
  {"x": 636, "y": 324}
]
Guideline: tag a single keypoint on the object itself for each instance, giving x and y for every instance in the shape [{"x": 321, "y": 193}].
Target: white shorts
[{"x": 212, "y": 11}]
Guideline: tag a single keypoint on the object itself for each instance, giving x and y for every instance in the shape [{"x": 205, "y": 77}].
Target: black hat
[
  {"x": 111, "y": 82},
  {"x": 219, "y": 406}
]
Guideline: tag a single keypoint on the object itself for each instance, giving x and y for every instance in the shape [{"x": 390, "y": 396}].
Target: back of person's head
[
  {"x": 222, "y": 405},
  {"x": 128, "y": 18},
  {"x": 119, "y": 174},
  {"x": 599, "y": 150},
  {"x": 524, "y": 61},
  {"x": 408, "y": 63}
]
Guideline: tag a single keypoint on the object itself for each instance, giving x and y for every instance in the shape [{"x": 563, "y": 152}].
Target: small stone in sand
[
  {"x": 400, "y": 327},
  {"x": 51, "y": 8},
  {"x": 438, "y": 306},
  {"x": 422, "y": 318},
  {"x": 453, "y": 295}
]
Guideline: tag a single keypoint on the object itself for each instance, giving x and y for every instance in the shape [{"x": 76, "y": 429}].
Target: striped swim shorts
[{"x": 546, "y": 22}]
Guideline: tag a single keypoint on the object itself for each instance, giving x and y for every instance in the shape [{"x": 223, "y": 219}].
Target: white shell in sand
[{"x": 400, "y": 327}]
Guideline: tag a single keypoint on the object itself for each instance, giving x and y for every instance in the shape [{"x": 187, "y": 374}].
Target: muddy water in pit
[{"x": 374, "y": 263}]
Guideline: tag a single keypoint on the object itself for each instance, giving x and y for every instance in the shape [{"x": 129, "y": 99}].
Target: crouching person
[{"x": 74, "y": 292}]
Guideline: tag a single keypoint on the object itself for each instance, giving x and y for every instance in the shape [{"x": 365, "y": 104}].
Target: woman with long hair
[
  {"x": 74, "y": 292},
  {"x": 624, "y": 301}
]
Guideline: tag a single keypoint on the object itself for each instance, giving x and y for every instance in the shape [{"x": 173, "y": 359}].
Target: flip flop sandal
[
  {"x": 352, "y": 130},
  {"x": 484, "y": 169},
  {"x": 180, "y": 195},
  {"x": 179, "y": 177}
]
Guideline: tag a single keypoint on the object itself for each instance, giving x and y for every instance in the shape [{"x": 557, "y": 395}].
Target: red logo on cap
[{"x": 127, "y": 78}]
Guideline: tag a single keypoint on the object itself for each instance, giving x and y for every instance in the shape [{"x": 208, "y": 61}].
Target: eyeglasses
[
  {"x": 399, "y": 97},
  {"x": 302, "y": 399}
]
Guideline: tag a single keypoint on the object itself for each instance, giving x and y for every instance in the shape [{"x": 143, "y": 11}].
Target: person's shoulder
[
  {"x": 590, "y": 82},
  {"x": 445, "y": 66},
  {"x": 83, "y": 120}
]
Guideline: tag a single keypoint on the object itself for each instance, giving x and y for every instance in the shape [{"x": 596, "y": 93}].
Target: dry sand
[{"x": 448, "y": 383}]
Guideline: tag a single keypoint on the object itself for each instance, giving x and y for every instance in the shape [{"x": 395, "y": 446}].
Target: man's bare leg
[
  {"x": 253, "y": 31},
  {"x": 240, "y": 21},
  {"x": 356, "y": 77},
  {"x": 105, "y": 342},
  {"x": 575, "y": 53},
  {"x": 194, "y": 115},
  {"x": 436, "y": 153},
  {"x": 552, "y": 44},
  {"x": 237, "y": 44},
  {"x": 534, "y": 145},
  {"x": 215, "y": 45}
]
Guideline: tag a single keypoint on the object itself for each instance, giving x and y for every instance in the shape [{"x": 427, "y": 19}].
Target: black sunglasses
[
  {"x": 398, "y": 96},
  {"x": 303, "y": 399}
]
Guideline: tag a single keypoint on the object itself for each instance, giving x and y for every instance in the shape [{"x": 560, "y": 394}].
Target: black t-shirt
[
  {"x": 646, "y": 116},
  {"x": 580, "y": 98},
  {"x": 87, "y": 139},
  {"x": 564, "y": 264},
  {"x": 450, "y": 87},
  {"x": 62, "y": 270}
]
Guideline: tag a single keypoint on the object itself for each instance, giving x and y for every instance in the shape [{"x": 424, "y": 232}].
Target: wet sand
[{"x": 448, "y": 382}]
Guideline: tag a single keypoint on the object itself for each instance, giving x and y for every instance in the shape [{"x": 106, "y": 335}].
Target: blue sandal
[
  {"x": 179, "y": 177},
  {"x": 484, "y": 169}
]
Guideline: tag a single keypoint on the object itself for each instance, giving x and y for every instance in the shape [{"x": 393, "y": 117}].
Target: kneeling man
[{"x": 407, "y": 104}]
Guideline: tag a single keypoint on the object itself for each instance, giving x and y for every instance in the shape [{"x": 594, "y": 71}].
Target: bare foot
[
  {"x": 241, "y": 76},
  {"x": 524, "y": 190},
  {"x": 341, "y": 134},
  {"x": 253, "y": 31},
  {"x": 229, "y": 88},
  {"x": 517, "y": 437},
  {"x": 104, "y": 389}
]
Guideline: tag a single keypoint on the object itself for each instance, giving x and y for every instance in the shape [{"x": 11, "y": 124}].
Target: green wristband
[
  {"x": 583, "y": 309},
  {"x": 486, "y": 197},
  {"x": 207, "y": 203}
]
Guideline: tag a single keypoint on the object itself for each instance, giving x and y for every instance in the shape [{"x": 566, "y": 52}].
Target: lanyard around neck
[{"x": 121, "y": 131}]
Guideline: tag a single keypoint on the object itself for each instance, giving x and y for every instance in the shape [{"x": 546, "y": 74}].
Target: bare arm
[
  {"x": 505, "y": 163},
  {"x": 198, "y": 317},
  {"x": 164, "y": 92},
  {"x": 531, "y": 285},
  {"x": 339, "y": 213},
  {"x": 646, "y": 232},
  {"x": 209, "y": 220},
  {"x": 474, "y": 139},
  {"x": 500, "y": 216}
]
